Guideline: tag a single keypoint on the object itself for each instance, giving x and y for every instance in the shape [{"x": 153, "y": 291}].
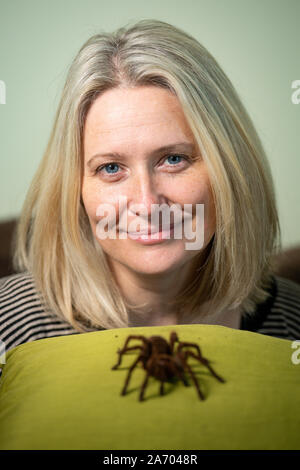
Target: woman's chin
[
  {"x": 157, "y": 266},
  {"x": 159, "y": 259}
]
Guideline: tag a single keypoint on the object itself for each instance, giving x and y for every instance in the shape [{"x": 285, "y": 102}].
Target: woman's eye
[
  {"x": 173, "y": 159},
  {"x": 112, "y": 167}
]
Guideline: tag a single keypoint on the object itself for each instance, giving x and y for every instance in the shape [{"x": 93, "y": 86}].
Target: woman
[{"x": 148, "y": 117}]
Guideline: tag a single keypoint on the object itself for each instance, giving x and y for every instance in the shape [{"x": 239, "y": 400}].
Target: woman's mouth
[{"x": 151, "y": 236}]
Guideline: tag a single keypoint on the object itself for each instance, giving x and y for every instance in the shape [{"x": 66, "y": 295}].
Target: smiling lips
[{"x": 150, "y": 231}]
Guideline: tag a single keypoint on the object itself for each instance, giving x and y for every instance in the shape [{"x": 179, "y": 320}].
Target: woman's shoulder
[
  {"x": 13, "y": 279},
  {"x": 23, "y": 317},
  {"x": 12, "y": 287},
  {"x": 279, "y": 314},
  {"x": 287, "y": 295},
  {"x": 15, "y": 289},
  {"x": 284, "y": 315}
]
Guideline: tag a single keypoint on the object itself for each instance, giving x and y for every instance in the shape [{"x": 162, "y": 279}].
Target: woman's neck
[
  {"x": 149, "y": 297},
  {"x": 149, "y": 300}
]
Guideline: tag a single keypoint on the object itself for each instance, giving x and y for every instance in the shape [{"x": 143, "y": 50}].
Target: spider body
[
  {"x": 155, "y": 359},
  {"x": 161, "y": 360}
]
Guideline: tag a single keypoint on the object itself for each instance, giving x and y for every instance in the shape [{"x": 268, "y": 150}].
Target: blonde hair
[{"x": 54, "y": 240}]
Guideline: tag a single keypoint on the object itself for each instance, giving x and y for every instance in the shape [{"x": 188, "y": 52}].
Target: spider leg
[
  {"x": 122, "y": 351},
  {"x": 142, "y": 391},
  {"x": 205, "y": 362},
  {"x": 173, "y": 339},
  {"x": 202, "y": 359},
  {"x": 185, "y": 344},
  {"x": 135, "y": 337},
  {"x": 181, "y": 376},
  {"x": 193, "y": 377},
  {"x": 129, "y": 375}
]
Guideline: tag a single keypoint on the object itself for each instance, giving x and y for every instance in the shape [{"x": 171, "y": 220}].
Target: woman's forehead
[
  {"x": 140, "y": 115},
  {"x": 140, "y": 106}
]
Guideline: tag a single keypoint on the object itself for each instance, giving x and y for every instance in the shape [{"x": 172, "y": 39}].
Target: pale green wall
[{"x": 256, "y": 42}]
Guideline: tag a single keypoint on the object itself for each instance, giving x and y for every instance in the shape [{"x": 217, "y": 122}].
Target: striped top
[{"x": 23, "y": 319}]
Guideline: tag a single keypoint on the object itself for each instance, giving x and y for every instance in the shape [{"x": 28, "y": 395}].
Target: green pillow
[{"x": 61, "y": 393}]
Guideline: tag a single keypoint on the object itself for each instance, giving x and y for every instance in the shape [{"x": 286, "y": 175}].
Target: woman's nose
[{"x": 145, "y": 191}]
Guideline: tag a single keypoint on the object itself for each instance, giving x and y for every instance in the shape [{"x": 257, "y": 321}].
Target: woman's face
[{"x": 135, "y": 123}]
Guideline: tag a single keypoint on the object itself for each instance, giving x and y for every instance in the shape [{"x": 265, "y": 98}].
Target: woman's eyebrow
[{"x": 179, "y": 147}]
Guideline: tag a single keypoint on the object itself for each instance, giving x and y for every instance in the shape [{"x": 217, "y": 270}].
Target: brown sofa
[
  {"x": 288, "y": 262},
  {"x": 6, "y": 231}
]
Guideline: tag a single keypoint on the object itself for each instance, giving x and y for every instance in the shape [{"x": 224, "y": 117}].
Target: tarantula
[{"x": 159, "y": 360}]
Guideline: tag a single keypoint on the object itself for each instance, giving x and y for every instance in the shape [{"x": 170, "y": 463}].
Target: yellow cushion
[{"x": 61, "y": 393}]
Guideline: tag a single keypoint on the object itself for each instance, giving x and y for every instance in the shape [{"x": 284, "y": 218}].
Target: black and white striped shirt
[
  {"x": 279, "y": 314},
  {"x": 23, "y": 319}
]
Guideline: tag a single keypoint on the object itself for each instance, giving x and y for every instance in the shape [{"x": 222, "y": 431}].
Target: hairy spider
[{"x": 159, "y": 360}]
